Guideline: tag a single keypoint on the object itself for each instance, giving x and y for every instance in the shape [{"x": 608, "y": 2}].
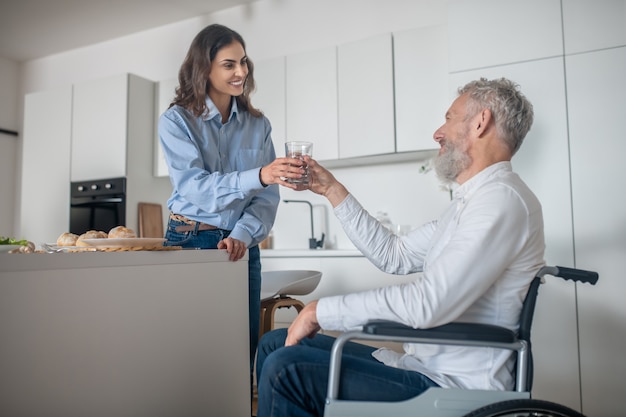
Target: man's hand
[
  {"x": 235, "y": 248},
  {"x": 305, "y": 325},
  {"x": 322, "y": 182}
]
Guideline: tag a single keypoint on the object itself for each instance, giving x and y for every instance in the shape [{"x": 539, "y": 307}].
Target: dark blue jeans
[
  {"x": 293, "y": 381},
  {"x": 208, "y": 239}
]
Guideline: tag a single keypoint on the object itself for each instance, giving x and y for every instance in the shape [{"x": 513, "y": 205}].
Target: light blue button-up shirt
[{"x": 214, "y": 169}]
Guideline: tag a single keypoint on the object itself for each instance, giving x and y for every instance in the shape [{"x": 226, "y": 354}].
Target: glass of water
[{"x": 298, "y": 149}]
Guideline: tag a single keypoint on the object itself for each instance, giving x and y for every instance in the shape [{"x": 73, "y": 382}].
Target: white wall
[
  {"x": 409, "y": 198},
  {"x": 271, "y": 28}
]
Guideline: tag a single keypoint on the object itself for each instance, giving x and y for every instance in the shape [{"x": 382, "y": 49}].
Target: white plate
[
  {"x": 7, "y": 248},
  {"x": 143, "y": 242},
  {"x": 60, "y": 248}
]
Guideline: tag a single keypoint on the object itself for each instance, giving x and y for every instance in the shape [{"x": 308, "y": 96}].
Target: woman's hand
[
  {"x": 235, "y": 248},
  {"x": 305, "y": 325},
  {"x": 280, "y": 170}
]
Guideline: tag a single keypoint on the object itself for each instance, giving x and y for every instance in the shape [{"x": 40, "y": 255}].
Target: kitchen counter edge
[
  {"x": 48, "y": 261},
  {"x": 310, "y": 253}
]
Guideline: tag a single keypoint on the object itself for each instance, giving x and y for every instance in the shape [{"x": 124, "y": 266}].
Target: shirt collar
[
  {"x": 211, "y": 111},
  {"x": 479, "y": 179}
]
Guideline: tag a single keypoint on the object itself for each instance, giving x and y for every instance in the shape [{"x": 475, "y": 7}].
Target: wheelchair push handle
[{"x": 579, "y": 275}]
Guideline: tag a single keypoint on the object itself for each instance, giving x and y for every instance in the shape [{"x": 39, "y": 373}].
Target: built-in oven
[{"x": 97, "y": 205}]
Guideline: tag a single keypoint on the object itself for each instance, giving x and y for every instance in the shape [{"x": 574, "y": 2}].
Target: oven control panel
[{"x": 98, "y": 187}]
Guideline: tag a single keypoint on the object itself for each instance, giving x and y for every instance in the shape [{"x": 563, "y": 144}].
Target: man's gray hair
[{"x": 511, "y": 111}]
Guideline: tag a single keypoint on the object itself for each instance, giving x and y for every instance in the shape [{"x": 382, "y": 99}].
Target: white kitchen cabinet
[
  {"x": 596, "y": 91},
  {"x": 543, "y": 163},
  {"x": 164, "y": 94},
  {"x": 45, "y": 187},
  {"x": 312, "y": 101},
  {"x": 592, "y": 25},
  {"x": 102, "y": 129},
  {"x": 269, "y": 97},
  {"x": 421, "y": 85},
  {"x": 107, "y": 114},
  {"x": 484, "y": 33},
  {"x": 366, "y": 103},
  {"x": 113, "y": 136}
]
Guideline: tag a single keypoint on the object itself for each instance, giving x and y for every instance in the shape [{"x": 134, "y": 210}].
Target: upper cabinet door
[
  {"x": 99, "y": 129},
  {"x": 421, "y": 85},
  {"x": 269, "y": 97},
  {"x": 366, "y": 103},
  {"x": 592, "y": 25},
  {"x": 312, "y": 101},
  {"x": 484, "y": 33}
]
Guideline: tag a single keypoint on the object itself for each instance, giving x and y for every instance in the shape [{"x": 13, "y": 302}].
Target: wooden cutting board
[{"x": 150, "y": 220}]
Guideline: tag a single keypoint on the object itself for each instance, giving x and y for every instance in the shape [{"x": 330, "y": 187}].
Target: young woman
[{"x": 221, "y": 159}]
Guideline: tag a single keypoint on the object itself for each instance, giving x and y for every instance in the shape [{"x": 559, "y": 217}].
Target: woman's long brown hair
[{"x": 193, "y": 76}]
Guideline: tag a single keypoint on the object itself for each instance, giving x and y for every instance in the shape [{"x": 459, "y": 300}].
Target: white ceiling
[{"x": 31, "y": 29}]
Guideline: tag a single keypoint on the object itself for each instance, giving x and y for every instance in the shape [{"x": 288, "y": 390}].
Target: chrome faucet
[{"x": 313, "y": 243}]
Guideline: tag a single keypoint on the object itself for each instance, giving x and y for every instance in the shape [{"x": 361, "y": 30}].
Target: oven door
[{"x": 101, "y": 214}]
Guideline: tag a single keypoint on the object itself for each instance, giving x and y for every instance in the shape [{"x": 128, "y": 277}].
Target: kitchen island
[{"x": 120, "y": 334}]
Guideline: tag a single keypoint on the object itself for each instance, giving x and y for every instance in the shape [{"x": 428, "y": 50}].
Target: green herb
[{"x": 12, "y": 241}]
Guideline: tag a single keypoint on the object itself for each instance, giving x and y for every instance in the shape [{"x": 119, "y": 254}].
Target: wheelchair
[{"x": 454, "y": 402}]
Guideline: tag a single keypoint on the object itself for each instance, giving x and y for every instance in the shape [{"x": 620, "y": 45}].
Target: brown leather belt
[{"x": 190, "y": 225}]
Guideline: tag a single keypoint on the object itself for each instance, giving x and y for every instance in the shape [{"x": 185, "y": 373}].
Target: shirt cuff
[
  {"x": 249, "y": 180},
  {"x": 327, "y": 313},
  {"x": 261, "y": 179},
  {"x": 347, "y": 209},
  {"x": 242, "y": 235}
]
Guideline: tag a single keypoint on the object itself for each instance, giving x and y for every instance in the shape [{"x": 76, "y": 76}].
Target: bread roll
[
  {"x": 67, "y": 239},
  {"x": 121, "y": 232},
  {"x": 91, "y": 234}
]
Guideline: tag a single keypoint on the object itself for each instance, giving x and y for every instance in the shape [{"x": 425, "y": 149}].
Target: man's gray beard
[{"x": 451, "y": 163}]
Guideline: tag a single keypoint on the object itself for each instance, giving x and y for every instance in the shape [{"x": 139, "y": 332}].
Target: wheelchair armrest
[{"x": 451, "y": 331}]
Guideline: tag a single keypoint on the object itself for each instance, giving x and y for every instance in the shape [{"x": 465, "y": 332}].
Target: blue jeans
[
  {"x": 293, "y": 381},
  {"x": 208, "y": 239}
]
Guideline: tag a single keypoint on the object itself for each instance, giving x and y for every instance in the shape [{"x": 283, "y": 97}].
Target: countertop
[
  {"x": 53, "y": 261},
  {"x": 310, "y": 253}
]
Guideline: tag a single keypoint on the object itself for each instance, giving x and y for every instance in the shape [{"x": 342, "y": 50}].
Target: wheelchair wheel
[{"x": 524, "y": 408}]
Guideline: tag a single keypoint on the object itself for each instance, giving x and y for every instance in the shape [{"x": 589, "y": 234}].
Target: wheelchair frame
[{"x": 452, "y": 402}]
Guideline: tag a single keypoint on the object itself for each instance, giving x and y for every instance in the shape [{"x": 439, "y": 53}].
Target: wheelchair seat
[{"x": 454, "y": 402}]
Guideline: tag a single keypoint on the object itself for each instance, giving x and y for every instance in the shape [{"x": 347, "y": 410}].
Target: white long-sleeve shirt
[{"x": 477, "y": 261}]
